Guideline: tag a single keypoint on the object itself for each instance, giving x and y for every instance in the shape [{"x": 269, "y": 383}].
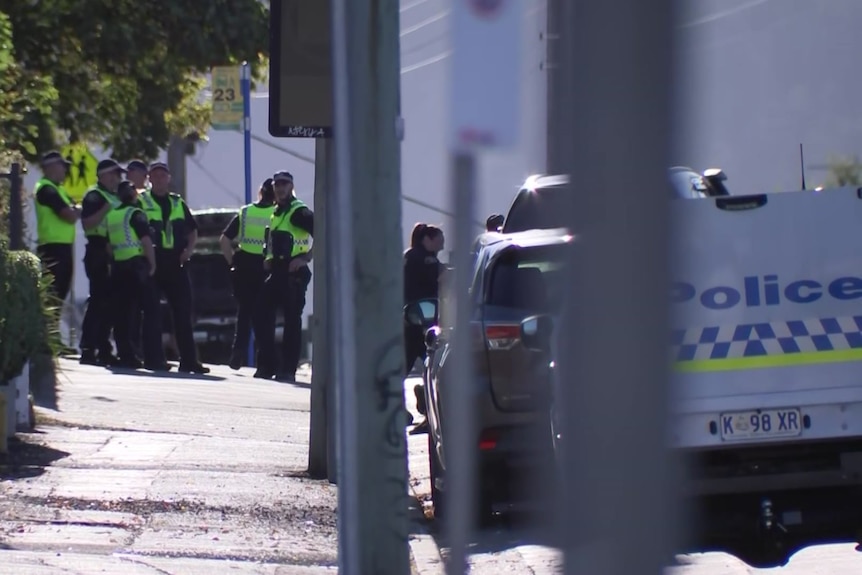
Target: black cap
[
  {"x": 160, "y": 166},
  {"x": 283, "y": 176},
  {"x": 54, "y": 158},
  {"x": 109, "y": 165},
  {"x": 136, "y": 165}
]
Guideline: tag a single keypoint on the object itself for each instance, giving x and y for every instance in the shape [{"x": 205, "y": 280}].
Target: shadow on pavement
[
  {"x": 27, "y": 458},
  {"x": 166, "y": 374}
]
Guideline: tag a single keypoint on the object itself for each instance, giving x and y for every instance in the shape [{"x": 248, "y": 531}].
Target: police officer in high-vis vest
[
  {"x": 56, "y": 215},
  {"x": 247, "y": 230},
  {"x": 137, "y": 172},
  {"x": 133, "y": 267},
  {"x": 175, "y": 236},
  {"x": 287, "y": 254},
  {"x": 96, "y": 329}
]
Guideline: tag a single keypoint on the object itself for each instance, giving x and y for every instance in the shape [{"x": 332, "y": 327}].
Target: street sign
[
  {"x": 227, "y": 98},
  {"x": 486, "y": 73},
  {"x": 300, "y": 69},
  {"x": 82, "y": 172}
]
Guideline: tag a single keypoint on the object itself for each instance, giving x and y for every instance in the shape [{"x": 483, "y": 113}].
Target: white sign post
[{"x": 485, "y": 115}]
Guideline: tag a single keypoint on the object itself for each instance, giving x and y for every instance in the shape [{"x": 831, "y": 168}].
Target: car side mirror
[
  {"x": 421, "y": 313},
  {"x": 432, "y": 337},
  {"x": 536, "y": 333}
]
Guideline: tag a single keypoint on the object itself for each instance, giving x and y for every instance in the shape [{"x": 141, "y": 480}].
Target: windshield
[{"x": 540, "y": 209}]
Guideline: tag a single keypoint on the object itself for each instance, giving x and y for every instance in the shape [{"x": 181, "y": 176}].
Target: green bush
[{"x": 28, "y": 318}]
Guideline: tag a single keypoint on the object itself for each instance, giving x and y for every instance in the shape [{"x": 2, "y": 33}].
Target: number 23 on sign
[{"x": 762, "y": 423}]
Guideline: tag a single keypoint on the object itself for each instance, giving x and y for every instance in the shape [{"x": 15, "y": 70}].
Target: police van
[{"x": 766, "y": 349}]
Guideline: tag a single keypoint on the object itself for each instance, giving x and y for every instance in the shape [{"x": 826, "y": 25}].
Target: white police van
[{"x": 767, "y": 350}]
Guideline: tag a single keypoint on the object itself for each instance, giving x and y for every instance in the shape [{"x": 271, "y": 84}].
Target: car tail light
[
  {"x": 488, "y": 439},
  {"x": 502, "y": 336}
]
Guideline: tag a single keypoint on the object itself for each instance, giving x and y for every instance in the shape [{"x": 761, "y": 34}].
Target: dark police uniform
[
  {"x": 133, "y": 287},
  {"x": 172, "y": 222},
  {"x": 96, "y": 328},
  {"x": 248, "y": 230},
  {"x": 56, "y": 235},
  {"x": 290, "y": 232}
]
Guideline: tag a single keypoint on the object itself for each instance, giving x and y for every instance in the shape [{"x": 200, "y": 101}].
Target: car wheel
[{"x": 436, "y": 471}]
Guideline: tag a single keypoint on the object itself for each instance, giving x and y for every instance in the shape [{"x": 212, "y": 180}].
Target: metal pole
[
  {"x": 16, "y": 208},
  {"x": 321, "y": 360},
  {"x": 245, "y": 81},
  {"x": 373, "y": 443},
  {"x": 459, "y": 398},
  {"x": 618, "y": 474},
  {"x": 177, "y": 164},
  {"x": 245, "y": 88},
  {"x": 349, "y": 543}
]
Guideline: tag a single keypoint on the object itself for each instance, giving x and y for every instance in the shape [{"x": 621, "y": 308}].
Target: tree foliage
[
  {"x": 845, "y": 172},
  {"x": 124, "y": 73}
]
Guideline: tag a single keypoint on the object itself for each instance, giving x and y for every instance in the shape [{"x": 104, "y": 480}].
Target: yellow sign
[
  {"x": 82, "y": 172},
  {"x": 227, "y": 98}
]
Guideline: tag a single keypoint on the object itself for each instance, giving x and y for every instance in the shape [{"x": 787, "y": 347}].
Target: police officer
[
  {"x": 247, "y": 229},
  {"x": 287, "y": 255},
  {"x": 175, "y": 236},
  {"x": 56, "y": 215},
  {"x": 134, "y": 264},
  {"x": 99, "y": 200},
  {"x": 137, "y": 174}
]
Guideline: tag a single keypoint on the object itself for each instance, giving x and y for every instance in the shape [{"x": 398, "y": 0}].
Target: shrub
[{"x": 28, "y": 318}]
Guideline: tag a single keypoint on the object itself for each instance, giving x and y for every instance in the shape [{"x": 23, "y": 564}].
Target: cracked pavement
[{"x": 181, "y": 475}]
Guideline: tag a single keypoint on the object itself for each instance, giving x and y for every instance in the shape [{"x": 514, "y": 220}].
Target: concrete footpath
[{"x": 178, "y": 474}]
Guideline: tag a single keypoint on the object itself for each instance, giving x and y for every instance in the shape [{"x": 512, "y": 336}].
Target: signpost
[
  {"x": 82, "y": 173},
  {"x": 301, "y": 106},
  {"x": 485, "y": 106}
]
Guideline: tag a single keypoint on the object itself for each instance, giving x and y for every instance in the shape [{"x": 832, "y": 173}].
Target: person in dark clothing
[
  {"x": 422, "y": 272},
  {"x": 175, "y": 233},
  {"x": 287, "y": 254},
  {"x": 133, "y": 267},
  {"x": 247, "y": 230},
  {"x": 56, "y": 215},
  {"x": 96, "y": 346},
  {"x": 137, "y": 173}
]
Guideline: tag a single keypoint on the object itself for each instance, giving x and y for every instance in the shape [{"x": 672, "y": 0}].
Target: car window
[
  {"x": 539, "y": 209},
  {"x": 528, "y": 279}
]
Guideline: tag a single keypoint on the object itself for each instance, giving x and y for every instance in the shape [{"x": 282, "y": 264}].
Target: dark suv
[{"x": 515, "y": 277}]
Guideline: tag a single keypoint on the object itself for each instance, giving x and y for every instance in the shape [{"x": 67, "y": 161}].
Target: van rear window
[{"x": 529, "y": 279}]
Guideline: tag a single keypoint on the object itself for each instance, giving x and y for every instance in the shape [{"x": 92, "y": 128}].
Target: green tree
[
  {"x": 127, "y": 73},
  {"x": 844, "y": 172}
]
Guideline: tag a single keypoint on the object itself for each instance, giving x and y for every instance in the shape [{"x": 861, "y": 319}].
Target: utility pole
[
  {"x": 620, "y": 213},
  {"x": 177, "y": 152},
  {"x": 372, "y": 473}
]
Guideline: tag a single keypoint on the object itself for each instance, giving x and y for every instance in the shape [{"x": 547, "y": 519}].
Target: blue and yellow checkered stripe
[{"x": 771, "y": 344}]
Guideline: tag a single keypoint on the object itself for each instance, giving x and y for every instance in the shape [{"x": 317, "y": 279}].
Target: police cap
[
  {"x": 52, "y": 158},
  {"x": 283, "y": 176},
  {"x": 136, "y": 165},
  {"x": 106, "y": 166}
]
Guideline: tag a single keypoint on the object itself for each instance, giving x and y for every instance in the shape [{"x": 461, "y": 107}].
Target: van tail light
[
  {"x": 488, "y": 439},
  {"x": 502, "y": 336}
]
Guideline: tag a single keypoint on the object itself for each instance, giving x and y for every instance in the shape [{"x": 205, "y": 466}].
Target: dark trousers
[
  {"x": 173, "y": 282},
  {"x": 135, "y": 292},
  {"x": 285, "y": 290},
  {"x": 96, "y": 328},
  {"x": 247, "y": 277},
  {"x": 414, "y": 345},
  {"x": 57, "y": 262}
]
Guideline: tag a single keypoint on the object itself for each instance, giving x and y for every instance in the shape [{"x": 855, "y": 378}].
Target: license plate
[{"x": 763, "y": 423}]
